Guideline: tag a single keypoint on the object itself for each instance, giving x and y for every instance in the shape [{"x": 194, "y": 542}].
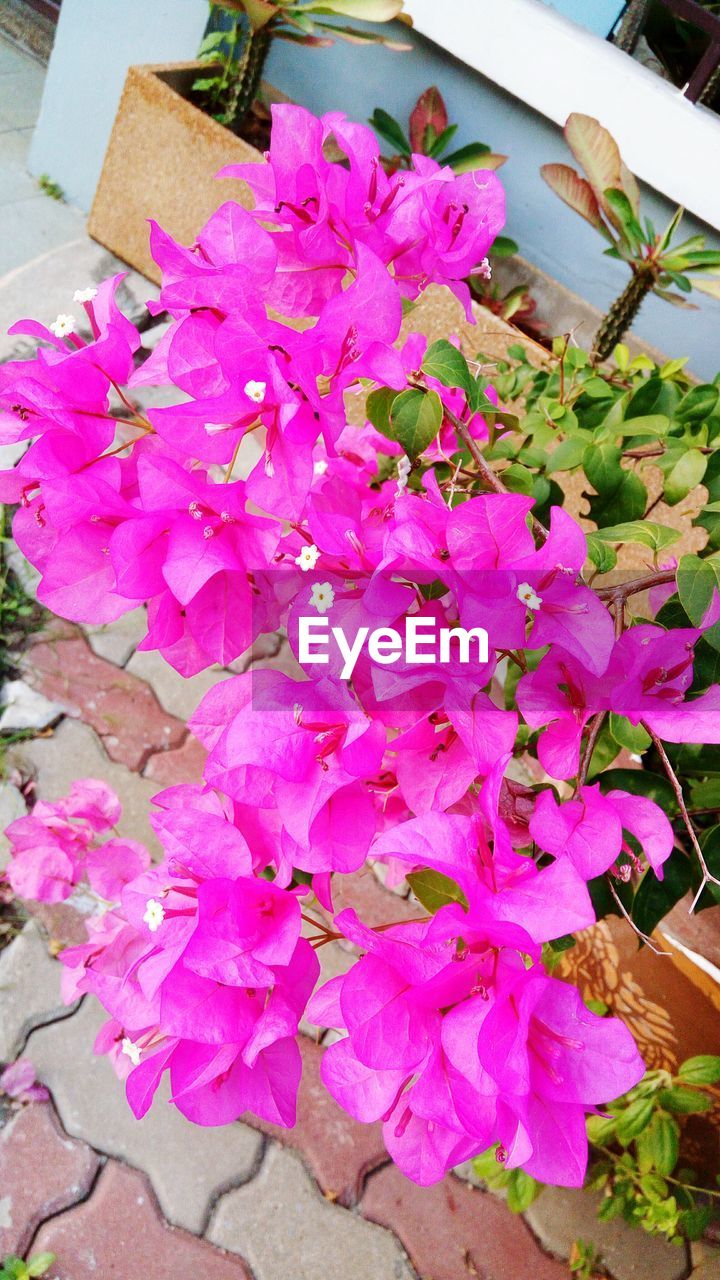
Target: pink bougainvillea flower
[{"x": 589, "y": 829}]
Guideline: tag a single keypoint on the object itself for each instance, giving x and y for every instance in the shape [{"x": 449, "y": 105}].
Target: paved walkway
[{"x": 112, "y": 1197}]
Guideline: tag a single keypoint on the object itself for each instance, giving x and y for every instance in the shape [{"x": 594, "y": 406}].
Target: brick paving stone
[
  {"x": 168, "y": 768},
  {"x": 122, "y": 709},
  {"x": 29, "y": 990},
  {"x": 75, "y": 751},
  {"x": 281, "y": 1225},
  {"x": 42, "y": 1172},
  {"x": 63, "y": 924},
  {"x": 186, "y": 1164},
  {"x": 118, "y": 1233},
  {"x": 339, "y": 1151},
  {"x": 454, "y": 1232},
  {"x": 561, "y": 1215},
  {"x": 117, "y": 641},
  {"x": 179, "y": 696}
]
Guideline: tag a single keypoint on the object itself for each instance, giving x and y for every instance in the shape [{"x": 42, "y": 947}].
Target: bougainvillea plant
[{"x": 252, "y": 504}]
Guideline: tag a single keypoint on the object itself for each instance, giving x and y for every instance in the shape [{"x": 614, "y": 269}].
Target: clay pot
[{"x": 161, "y": 163}]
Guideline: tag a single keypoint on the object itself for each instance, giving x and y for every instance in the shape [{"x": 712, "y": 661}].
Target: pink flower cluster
[{"x": 455, "y": 1035}]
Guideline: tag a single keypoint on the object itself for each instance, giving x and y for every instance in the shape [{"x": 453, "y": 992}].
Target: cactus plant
[{"x": 608, "y": 198}]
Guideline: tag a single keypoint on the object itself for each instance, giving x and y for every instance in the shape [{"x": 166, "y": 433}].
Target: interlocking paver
[
  {"x": 122, "y": 709},
  {"x": 454, "y": 1232},
  {"x": 280, "y": 1223},
  {"x": 561, "y": 1215},
  {"x": 179, "y": 696},
  {"x": 42, "y": 1172},
  {"x": 29, "y": 990},
  {"x": 186, "y": 1164},
  {"x": 169, "y": 768},
  {"x": 339, "y": 1151},
  {"x": 117, "y": 641},
  {"x": 75, "y": 751},
  {"x": 119, "y": 1233}
]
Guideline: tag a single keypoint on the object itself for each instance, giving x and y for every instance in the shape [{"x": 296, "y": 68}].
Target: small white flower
[
  {"x": 528, "y": 597},
  {"x": 484, "y": 270},
  {"x": 131, "y": 1051},
  {"x": 320, "y": 467},
  {"x": 84, "y": 295},
  {"x": 154, "y": 914},
  {"x": 255, "y": 391},
  {"x": 62, "y": 325},
  {"x": 322, "y": 597},
  {"x": 308, "y": 558}
]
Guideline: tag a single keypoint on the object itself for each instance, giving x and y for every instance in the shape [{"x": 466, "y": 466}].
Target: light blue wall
[
  {"x": 599, "y": 16},
  {"x": 356, "y": 80},
  {"x": 96, "y": 42}
]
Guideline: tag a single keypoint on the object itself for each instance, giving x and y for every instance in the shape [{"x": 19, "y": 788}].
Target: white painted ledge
[{"x": 557, "y": 67}]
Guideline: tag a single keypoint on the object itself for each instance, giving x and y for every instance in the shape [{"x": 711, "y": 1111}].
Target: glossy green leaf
[
  {"x": 687, "y": 472},
  {"x": 447, "y": 365},
  {"x": 646, "y": 532},
  {"x": 434, "y": 890},
  {"x": 415, "y": 419}
]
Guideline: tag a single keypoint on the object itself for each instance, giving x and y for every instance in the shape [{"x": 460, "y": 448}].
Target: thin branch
[
  {"x": 707, "y": 876},
  {"x": 620, "y": 592},
  {"x": 648, "y": 941},
  {"x": 490, "y": 477},
  {"x": 595, "y": 728}
]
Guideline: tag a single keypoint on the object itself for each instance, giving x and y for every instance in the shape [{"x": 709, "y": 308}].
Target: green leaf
[
  {"x": 600, "y": 1129},
  {"x": 415, "y": 419},
  {"x": 653, "y": 396},
  {"x": 641, "y": 782},
  {"x": 684, "y": 1102},
  {"x": 657, "y": 536},
  {"x": 40, "y": 1263},
  {"x": 633, "y": 1120},
  {"x": 447, "y": 365},
  {"x": 697, "y": 580},
  {"x": 702, "y": 1069},
  {"x": 521, "y": 1191},
  {"x": 378, "y": 407},
  {"x": 504, "y": 247},
  {"x": 694, "y": 1222},
  {"x": 475, "y": 155},
  {"x": 434, "y": 890},
  {"x": 390, "y": 130},
  {"x": 687, "y": 472},
  {"x": 568, "y": 455},
  {"x": 625, "y": 217},
  {"x": 631, "y": 736},
  {"x": 698, "y": 404},
  {"x": 653, "y": 426},
  {"x": 603, "y": 557},
  {"x": 661, "y": 1143},
  {"x": 654, "y": 898},
  {"x": 621, "y": 495}
]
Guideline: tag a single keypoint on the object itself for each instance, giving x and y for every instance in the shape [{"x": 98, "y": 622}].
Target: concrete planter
[{"x": 161, "y": 163}]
